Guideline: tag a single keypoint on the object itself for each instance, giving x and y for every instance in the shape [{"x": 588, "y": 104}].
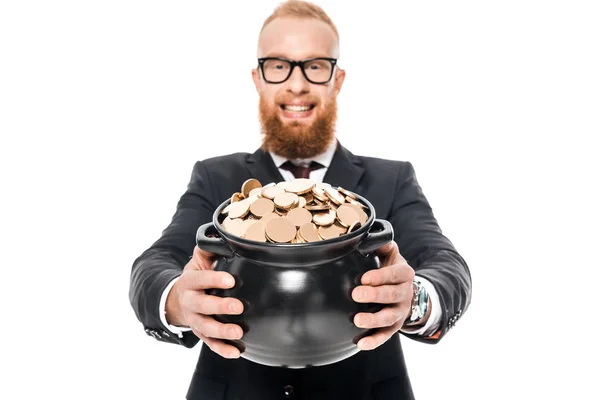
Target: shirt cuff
[
  {"x": 433, "y": 323},
  {"x": 162, "y": 312}
]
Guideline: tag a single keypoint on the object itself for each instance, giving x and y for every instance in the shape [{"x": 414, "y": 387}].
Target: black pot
[{"x": 298, "y": 307}]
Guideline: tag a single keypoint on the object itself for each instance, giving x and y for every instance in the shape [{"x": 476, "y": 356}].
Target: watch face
[
  {"x": 420, "y": 302},
  {"x": 423, "y": 300}
]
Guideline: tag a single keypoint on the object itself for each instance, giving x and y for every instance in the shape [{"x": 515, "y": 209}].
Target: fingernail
[
  {"x": 231, "y": 354},
  {"x": 362, "y": 344},
  {"x": 363, "y": 322},
  {"x": 233, "y": 333},
  {"x": 227, "y": 281}
]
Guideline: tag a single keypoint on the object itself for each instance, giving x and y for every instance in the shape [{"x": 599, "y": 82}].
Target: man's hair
[{"x": 301, "y": 9}]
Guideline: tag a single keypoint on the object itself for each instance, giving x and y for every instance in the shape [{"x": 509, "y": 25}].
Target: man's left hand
[{"x": 390, "y": 284}]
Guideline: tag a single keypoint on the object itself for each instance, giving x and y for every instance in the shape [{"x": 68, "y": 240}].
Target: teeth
[{"x": 296, "y": 108}]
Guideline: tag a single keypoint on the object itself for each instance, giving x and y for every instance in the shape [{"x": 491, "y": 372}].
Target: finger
[
  {"x": 378, "y": 338},
  {"x": 207, "y": 280},
  {"x": 389, "y": 275},
  {"x": 210, "y": 327},
  {"x": 389, "y": 253},
  {"x": 388, "y": 316},
  {"x": 385, "y": 294},
  {"x": 204, "y": 258},
  {"x": 210, "y": 305},
  {"x": 218, "y": 346}
]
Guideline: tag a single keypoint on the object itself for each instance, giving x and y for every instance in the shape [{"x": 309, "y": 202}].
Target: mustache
[{"x": 283, "y": 99}]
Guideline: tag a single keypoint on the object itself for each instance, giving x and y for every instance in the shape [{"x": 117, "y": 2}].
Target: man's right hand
[{"x": 189, "y": 306}]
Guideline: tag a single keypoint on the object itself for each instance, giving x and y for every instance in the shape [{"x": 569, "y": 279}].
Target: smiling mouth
[{"x": 295, "y": 108}]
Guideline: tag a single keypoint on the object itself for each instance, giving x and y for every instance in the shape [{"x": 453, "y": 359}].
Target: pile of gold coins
[{"x": 298, "y": 211}]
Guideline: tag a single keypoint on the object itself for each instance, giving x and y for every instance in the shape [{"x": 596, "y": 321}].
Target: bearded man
[{"x": 298, "y": 80}]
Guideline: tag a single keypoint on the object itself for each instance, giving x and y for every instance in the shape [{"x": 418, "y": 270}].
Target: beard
[{"x": 295, "y": 139}]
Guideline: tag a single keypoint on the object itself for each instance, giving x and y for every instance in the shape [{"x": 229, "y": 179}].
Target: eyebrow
[{"x": 280, "y": 55}]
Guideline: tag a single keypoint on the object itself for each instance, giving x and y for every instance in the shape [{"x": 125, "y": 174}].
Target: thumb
[
  {"x": 390, "y": 253},
  {"x": 205, "y": 260}
]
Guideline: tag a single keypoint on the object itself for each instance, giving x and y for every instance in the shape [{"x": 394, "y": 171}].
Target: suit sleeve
[
  {"x": 164, "y": 260},
  {"x": 428, "y": 251}
]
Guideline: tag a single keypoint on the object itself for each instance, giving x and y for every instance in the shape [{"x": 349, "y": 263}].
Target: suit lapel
[
  {"x": 345, "y": 169},
  {"x": 262, "y": 167}
]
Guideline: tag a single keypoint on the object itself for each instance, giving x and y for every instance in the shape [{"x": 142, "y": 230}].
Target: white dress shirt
[{"x": 433, "y": 323}]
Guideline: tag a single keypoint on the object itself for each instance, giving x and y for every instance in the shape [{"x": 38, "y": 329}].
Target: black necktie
[{"x": 301, "y": 172}]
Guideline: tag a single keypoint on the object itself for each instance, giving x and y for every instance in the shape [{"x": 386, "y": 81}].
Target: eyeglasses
[{"x": 316, "y": 70}]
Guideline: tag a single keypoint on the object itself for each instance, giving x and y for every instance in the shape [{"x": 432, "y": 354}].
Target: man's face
[{"x": 297, "y": 116}]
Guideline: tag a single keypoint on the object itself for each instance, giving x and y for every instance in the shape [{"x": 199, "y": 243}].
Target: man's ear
[
  {"x": 340, "y": 74},
  {"x": 256, "y": 78}
]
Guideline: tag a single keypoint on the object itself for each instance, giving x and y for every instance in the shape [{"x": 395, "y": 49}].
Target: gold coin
[
  {"x": 256, "y": 192},
  {"x": 354, "y": 227},
  {"x": 239, "y": 209},
  {"x": 341, "y": 229},
  {"x": 268, "y": 217},
  {"x": 328, "y": 232},
  {"x": 324, "y": 218},
  {"x": 279, "y": 212},
  {"x": 335, "y": 196},
  {"x": 249, "y": 222},
  {"x": 237, "y": 227},
  {"x": 283, "y": 184},
  {"x": 299, "y": 238},
  {"x": 286, "y": 200},
  {"x": 346, "y": 193},
  {"x": 299, "y": 216},
  {"x": 256, "y": 232},
  {"x": 227, "y": 209},
  {"x": 226, "y": 223},
  {"x": 237, "y": 197},
  {"x": 356, "y": 203},
  {"x": 272, "y": 191},
  {"x": 309, "y": 233},
  {"x": 251, "y": 199},
  {"x": 319, "y": 194},
  {"x": 323, "y": 185},
  {"x": 300, "y": 186},
  {"x": 249, "y": 185},
  {"x": 362, "y": 216},
  {"x": 308, "y": 197},
  {"x": 269, "y": 185},
  {"x": 322, "y": 207},
  {"x": 347, "y": 215},
  {"x": 280, "y": 230},
  {"x": 301, "y": 202},
  {"x": 262, "y": 207}
]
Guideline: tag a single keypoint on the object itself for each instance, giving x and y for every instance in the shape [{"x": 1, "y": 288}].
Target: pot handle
[
  {"x": 381, "y": 233},
  {"x": 215, "y": 245}
]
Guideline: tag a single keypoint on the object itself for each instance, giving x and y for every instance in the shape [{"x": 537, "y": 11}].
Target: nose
[{"x": 297, "y": 83}]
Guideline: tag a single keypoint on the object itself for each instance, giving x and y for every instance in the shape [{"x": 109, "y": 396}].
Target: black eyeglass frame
[{"x": 261, "y": 64}]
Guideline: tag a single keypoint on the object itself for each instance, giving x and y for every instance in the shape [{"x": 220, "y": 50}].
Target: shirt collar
[{"x": 323, "y": 158}]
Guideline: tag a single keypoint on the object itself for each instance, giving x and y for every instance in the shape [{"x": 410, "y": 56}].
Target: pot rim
[{"x": 360, "y": 231}]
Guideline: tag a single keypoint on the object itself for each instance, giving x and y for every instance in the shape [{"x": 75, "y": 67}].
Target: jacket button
[{"x": 288, "y": 390}]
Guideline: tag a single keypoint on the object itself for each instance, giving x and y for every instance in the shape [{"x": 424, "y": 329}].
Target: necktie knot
[{"x": 300, "y": 171}]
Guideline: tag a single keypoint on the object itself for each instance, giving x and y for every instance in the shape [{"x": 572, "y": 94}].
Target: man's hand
[
  {"x": 189, "y": 306},
  {"x": 390, "y": 284}
]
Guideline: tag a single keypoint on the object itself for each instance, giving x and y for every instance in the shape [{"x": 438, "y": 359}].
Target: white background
[{"x": 105, "y": 107}]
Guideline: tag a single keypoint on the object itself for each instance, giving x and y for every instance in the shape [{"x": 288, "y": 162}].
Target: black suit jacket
[{"x": 392, "y": 188}]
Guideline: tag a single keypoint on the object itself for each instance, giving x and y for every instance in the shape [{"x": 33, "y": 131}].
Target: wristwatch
[{"x": 420, "y": 302}]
